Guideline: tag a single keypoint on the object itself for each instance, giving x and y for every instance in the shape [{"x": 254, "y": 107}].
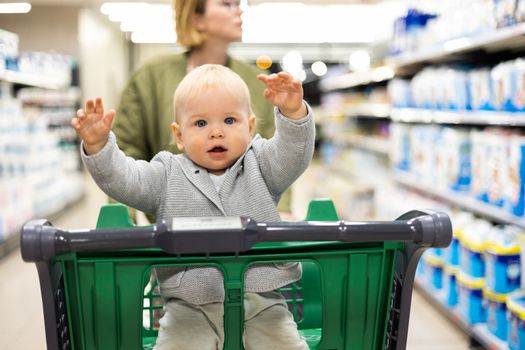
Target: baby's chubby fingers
[
  {"x": 90, "y": 106},
  {"x": 99, "y": 107},
  {"x": 81, "y": 114},
  {"x": 76, "y": 122}
]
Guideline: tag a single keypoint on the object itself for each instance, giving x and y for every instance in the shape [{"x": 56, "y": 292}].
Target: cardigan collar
[{"x": 200, "y": 178}]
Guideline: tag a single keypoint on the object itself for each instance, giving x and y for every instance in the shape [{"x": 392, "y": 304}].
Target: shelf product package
[
  {"x": 502, "y": 260},
  {"x": 480, "y": 180},
  {"x": 496, "y": 305},
  {"x": 497, "y": 163},
  {"x": 399, "y": 93},
  {"x": 516, "y": 331},
  {"x": 470, "y": 301},
  {"x": 425, "y": 87},
  {"x": 450, "y": 285},
  {"x": 479, "y": 86},
  {"x": 505, "y": 12},
  {"x": 515, "y": 185},
  {"x": 458, "y": 145},
  {"x": 422, "y": 147},
  {"x": 518, "y": 85},
  {"x": 501, "y": 77},
  {"x": 8, "y": 49},
  {"x": 461, "y": 220},
  {"x": 400, "y": 151},
  {"x": 472, "y": 246},
  {"x": 455, "y": 92},
  {"x": 440, "y": 161},
  {"x": 434, "y": 273},
  {"x": 520, "y": 11}
]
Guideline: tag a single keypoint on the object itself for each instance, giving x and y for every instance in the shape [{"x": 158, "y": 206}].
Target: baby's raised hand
[
  {"x": 286, "y": 93},
  {"x": 93, "y": 126}
]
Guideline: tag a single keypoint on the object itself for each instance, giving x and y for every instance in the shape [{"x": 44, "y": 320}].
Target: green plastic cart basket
[{"x": 355, "y": 292}]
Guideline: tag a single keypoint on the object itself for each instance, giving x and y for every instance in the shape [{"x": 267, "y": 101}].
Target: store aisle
[{"x": 22, "y": 325}]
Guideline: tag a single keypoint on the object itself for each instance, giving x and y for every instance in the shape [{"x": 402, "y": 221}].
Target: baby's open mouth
[{"x": 217, "y": 149}]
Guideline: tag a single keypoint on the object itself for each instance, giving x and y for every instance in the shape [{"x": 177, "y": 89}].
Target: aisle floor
[{"x": 22, "y": 325}]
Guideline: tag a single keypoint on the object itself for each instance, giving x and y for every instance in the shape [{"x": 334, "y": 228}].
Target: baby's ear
[
  {"x": 177, "y": 134},
  {"x": 252, "y": 121}
]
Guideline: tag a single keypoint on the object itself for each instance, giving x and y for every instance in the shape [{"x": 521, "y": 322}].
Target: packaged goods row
[
  {"x": 39, "y": 174},
  {"x": 480, "y": 276},
  {"x": 498, "y": 88},
  {"x": 479, "y": 280},
  {"x": 488, "y": 164},
  {"x": 39, "y": 160},
  {"x": 427, "y": 27}
]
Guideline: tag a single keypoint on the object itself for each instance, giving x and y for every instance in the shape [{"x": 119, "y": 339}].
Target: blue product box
[
  {"x": 470, "y": 301},
  {"x": 516, "y": 314},
  {"x": 480, "y": 155},
  {"x": 400, "y": 135},
  {"x": 450, "y": 285},
  {"x": 451, "y": 254},
  {"x": 496, "y": 305},
  {"x": 503, "y": 269},
  {"x": 472, "y": 260},
  {"x": 515, "y": 185},
  {"x": 421, "y": 268},
  {"x": 458, "y": 158},
  {"x": 434, "y": 270}
]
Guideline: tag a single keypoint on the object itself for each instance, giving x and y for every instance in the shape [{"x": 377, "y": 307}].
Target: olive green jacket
[{"x": 145, "y": 113}]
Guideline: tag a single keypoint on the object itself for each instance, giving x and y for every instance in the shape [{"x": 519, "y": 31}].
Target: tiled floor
[{"x": 22, "y": 325}]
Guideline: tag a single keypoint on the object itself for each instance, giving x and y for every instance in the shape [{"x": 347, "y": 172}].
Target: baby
[{"x": 222, "y": 171}]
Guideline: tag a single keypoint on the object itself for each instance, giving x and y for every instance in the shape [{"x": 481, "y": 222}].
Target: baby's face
[{"x": 214, "y": 129}]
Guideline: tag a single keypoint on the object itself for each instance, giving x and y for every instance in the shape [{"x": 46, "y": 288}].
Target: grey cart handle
[{"x": 41, "y": 242}]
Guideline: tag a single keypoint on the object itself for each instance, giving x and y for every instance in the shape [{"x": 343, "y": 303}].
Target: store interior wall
[
  {"x": 103, "y": 56},
  {"x": 45, "y": 28},
  {"x": 84, "y": 33}
]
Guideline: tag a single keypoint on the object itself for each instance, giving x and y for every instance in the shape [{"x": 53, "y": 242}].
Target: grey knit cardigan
[{"x": 173, "y": 186}]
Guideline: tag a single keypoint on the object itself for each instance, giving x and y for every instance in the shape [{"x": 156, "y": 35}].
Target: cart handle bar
[{"x": 40, "y": 241}]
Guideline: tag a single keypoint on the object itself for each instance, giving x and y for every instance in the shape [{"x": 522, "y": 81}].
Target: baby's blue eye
[
  {"x": 229, "y": 120},
  {"x": 201, "y": 123}
]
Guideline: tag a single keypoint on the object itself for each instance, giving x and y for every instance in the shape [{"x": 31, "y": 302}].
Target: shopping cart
[{"x": 355, "y": 292}]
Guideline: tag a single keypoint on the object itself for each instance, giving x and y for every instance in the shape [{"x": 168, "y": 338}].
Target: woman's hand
[
  {"x": 92, "y": 126},
  {"x": 286, "y": 93}
]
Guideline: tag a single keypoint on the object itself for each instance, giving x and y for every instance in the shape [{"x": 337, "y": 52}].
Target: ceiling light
[
  {"x": 319, "y": 68},
  {"x": 15, "y": 7},
  {"x": 153, "y": 37},
  {"x": 359, "y": 61},
  {"x": 108, "y": 8}
]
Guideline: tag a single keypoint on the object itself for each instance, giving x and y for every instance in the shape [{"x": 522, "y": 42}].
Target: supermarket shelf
[
  {"x": 369, "y": 110},
  {"x": 478, "y": 332},
  {"x": 496, "y": 118},
  {"x": 355, "y": 79},
  {"x": 47, "y": 82},
  {"x": 498, "y": 40},
  {"x": 473, "y": 205},
  {"x": 376, "y": 145},
  {"x": 13, "y": 241}
]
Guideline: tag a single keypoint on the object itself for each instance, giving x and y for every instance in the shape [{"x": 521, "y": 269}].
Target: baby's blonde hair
[{"x": 210, "y": 76}]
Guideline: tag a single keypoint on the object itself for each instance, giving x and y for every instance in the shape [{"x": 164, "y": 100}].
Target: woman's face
[{"x": 221, "y": 20}]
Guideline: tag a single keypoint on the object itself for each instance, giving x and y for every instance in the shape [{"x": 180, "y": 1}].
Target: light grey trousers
[{"x": 268, "y": 325}]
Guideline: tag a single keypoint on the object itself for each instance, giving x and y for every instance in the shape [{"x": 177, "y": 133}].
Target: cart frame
[{"x": 381, "y": 255}]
